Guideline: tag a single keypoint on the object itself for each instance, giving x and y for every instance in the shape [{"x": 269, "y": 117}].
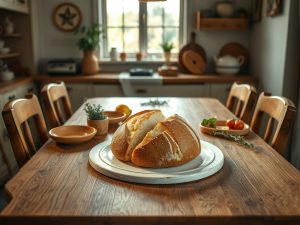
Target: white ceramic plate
[{"x": 210, "y": 161}]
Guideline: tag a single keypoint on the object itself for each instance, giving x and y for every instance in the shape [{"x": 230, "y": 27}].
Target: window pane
[
  {"x": 114, "y": 11},
  {"x": 172, "y": 13},
  {"x": 131, "y": 13},
  {"x": 154, "y": 14},
  {"x": 154, "y": 40},
  {"x": 131, "y": 39},
  {"x": 114, "y": 39},
  {"x": 172, "y": 35}
]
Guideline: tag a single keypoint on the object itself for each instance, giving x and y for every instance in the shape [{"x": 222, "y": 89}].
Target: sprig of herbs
[
  {"x": 94, "y": 112},
  {"x": 210, "y": 122},
  {"x": 155, "y": 102},
  {"x": 236, "y": 138}
]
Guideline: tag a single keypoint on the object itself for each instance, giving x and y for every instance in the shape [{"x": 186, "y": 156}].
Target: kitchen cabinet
[
  {"x": 21, "y": 6},
  {"x": 197, "y": 90},
  {"x": 78, "y": 93},
  {"x": 107, "y": 90}
]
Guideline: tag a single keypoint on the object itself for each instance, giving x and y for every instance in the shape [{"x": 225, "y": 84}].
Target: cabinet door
[
  {"x": 198, "y": 90},
  {"x": 78, "y": 93},
  {"x": 220, "y": 91},
  {"x": 102, "y": 90}
]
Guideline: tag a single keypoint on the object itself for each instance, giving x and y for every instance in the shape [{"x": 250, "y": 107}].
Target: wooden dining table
[{"x": 58, "y": 186}]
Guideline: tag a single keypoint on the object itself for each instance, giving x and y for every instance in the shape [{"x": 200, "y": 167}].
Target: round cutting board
[
  {"x": 209, "y": 161},
  {"x": 193, "y": 62},
  {"x": 236, "y": 50},
  {"x": 192, "y": 45}
]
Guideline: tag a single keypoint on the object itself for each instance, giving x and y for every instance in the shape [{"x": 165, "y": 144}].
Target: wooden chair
[
  {"x": 279, "y": 109},
  {"x": 52, "y": 94},
  {"x": 243, "y": 97},
  {"x": 16, "y": 115}
]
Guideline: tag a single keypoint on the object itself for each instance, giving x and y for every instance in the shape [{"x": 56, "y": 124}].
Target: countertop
[{"x": 113, "y": 79}]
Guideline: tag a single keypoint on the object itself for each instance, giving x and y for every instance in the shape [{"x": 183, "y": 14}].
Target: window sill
[{"x": 134, "y": 62}]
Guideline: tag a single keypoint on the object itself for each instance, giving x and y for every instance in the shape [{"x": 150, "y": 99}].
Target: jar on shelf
[{"x": 113, "y": 54}]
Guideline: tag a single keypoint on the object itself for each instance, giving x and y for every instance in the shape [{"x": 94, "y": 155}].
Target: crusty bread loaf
[
  {"x": 132, "y": 132},
  {"x": 171, "y": 143},
  {"x": 150, "y": 140}
]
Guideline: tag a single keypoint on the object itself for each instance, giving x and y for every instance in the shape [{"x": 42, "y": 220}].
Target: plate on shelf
[
  {"x": 209, "y": 161},
  {"x": 72, "y": 134},
  {"x": 115, "y": 117},
  {"x": 221, "y": 126}
]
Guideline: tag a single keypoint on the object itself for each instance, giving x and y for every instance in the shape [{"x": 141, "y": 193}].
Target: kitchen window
[{"x": 133, "y": 27}]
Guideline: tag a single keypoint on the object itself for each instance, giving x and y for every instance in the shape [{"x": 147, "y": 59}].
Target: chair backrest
[
  {"x": 16, "y": 115},
  {"x": 279, "y": 109},
  {"x": 241, "y": 101},
  {"x": 52, "y": 95}
]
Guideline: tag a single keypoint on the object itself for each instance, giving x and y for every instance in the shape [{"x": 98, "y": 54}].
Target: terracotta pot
[
  {"x": 167, "y": 56},
  {"x": 139, "y": 56},
  {"x": 90, "y": 63},
  {"x": 100, "y": 125},
  {"x": 123, "y": 56}
]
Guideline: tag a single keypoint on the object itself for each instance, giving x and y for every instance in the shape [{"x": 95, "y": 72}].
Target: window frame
[{"x": 102, "y": 18}]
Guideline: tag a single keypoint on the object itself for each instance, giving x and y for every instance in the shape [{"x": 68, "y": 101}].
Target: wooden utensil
[
  {"x": 221, "y": 125},
  {"x": 168, "y": 71},
  {"x": 236, "y": 50},
  {"x": 192, "y": 45},
  {"x": 193, "y": 62},
  {"x": 115, "y": 117}
]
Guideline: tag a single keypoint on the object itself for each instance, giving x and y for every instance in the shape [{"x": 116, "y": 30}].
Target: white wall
[
  {"x": 49, "y": 42},
  {"x": 268, "y": 50}
]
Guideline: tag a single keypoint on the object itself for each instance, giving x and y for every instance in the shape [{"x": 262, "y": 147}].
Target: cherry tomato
[
  {"x": 230, "y": 123},
  {"x": 239, "y": 125}
]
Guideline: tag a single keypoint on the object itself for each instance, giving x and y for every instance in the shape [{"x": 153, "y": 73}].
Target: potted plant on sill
[
  {"x": 167, "y": 48},
  {"x": 96, "y": 118},
  {"x": 89, "y": 43}
]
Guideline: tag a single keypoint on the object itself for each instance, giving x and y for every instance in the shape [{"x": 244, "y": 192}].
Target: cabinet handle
[
  {"x": 11, "y": 97},
  {"x": 140, "y": 91}
]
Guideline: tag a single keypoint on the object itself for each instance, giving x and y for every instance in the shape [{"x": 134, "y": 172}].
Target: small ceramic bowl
[{"x": 115, "y": 117}]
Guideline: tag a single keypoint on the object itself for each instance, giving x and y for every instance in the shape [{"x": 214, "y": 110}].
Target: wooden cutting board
[
  {"x": 236, "y": 50},
  {"x": 191, "y": 46},
  {"x": 193, "y": 62}
]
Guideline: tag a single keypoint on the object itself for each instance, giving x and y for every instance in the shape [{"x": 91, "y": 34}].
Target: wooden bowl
[
  {"x": 115, "y": 117},
  {"x": 72, "y": 134},
  {"x": 221, "y": 126}
]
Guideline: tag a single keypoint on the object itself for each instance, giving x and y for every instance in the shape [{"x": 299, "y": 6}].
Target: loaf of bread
[{"x": 147, "y": 139}]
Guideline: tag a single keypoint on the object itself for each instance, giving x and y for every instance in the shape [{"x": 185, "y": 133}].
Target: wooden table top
[{"x": 59, "y": 186}]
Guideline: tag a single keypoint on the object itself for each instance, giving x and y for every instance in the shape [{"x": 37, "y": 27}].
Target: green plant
[
  {"x": 90, "y": 37},
  {"x": 167, "y": 46},
  {"x": 94, "y": 112}
]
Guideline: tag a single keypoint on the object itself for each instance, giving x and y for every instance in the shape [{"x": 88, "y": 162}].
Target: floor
[{"x": 2, "y": 199}]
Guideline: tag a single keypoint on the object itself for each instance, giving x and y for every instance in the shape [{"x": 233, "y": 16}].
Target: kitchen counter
[
  {"x": 180, "y": 79},
  {"x": 12, "y": 84}
]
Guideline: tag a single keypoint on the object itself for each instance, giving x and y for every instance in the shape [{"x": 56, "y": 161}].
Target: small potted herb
[
  {"x": 96, "y": 118},
  {"x": 167, "y": 48}
]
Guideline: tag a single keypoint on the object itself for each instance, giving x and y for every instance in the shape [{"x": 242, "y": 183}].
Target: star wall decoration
[{"x": 67, "y": 17}]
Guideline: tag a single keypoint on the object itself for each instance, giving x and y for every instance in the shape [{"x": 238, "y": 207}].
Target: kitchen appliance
[
  {"x": 141, "y": 72},
  {"x": 63, "y": 67}
]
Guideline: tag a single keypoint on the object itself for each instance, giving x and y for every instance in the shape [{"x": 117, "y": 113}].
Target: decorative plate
[
  {"x": 67, "y": 17},
  {"x": 209, "y": 161}
]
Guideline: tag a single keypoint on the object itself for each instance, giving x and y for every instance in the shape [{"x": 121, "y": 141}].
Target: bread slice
[
  {"x": 171, "y": 143},
  {"x": 132, "y": 132}
]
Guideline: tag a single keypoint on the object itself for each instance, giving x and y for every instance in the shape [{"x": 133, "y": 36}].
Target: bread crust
[
  {"x": 177, "y": 145},
  {"x": 120, "y": 144}
]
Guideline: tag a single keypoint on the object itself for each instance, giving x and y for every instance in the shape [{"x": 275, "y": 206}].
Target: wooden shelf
[
  {"x": 14, "y": 35},
  {"x": 9, "y": 55},
  {"x": 220, "y": 23}
]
